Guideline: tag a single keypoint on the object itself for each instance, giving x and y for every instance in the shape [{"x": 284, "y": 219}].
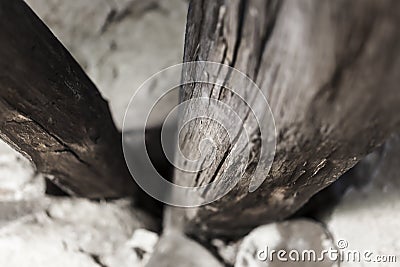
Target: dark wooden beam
[
  {"x": 52, "y": 112},
  {"x": 331, "y": 73}
]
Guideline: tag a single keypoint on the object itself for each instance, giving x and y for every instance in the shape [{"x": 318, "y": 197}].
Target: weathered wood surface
[
  {"x": 53, "y": 113},
  {"x": 330, "y": 71}
]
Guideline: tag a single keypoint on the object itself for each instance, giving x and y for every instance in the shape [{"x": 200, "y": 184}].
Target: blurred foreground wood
[
  {"x": 330, "y": 71},
  {"x": 52, "y": 112}
]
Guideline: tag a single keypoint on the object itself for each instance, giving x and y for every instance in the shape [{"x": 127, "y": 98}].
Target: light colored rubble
[
  {"x": 78, "y": 232},
  {"x": 18, "y": 178},
  {"x": 176, "y": 250},
  {"x": 293, "y": 235},
  {"x": 368, "y": 216}
]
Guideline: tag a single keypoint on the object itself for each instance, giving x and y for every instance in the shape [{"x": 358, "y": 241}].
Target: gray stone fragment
[
  {"x": 176, "y": 250},
  {"x": 18, "y": 178},
  {"x": 296, "y": 235},
  {"x": 77, "y": 232},
  {"x": 12, "y": 211},
  {"x": 368, "y": 216}
]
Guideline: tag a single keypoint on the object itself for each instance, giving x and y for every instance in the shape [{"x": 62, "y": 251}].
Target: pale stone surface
[
  {"x": 11, "y": 211},
  {"x": 176, "y": 250},
  {"x": 18, "y": 179},
  {"x": 119, "y": 43},
  {"x": 368, "y": 216},
  {"x": 144, "y": 239},
  {"x": 299, "y": 235},
  {"x": 78, "y": 232},
  {"x": 227, "y": 251}
]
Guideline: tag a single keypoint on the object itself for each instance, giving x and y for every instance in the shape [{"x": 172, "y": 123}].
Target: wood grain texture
[
  {"x": 52, "y": 112},
  {"x": 330, "y": 71}
]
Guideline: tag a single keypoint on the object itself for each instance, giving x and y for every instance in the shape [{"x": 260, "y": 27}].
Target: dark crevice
[
  {"x": 228, "y": 151},
  {"x": 241, "y": 18},
  {"x": 239, "y": 31},
  {"x": 54, "y": 190},
  {"x": 96, "y": 259},
  {"x": 109, "y": 20},
  {"x": 243, "y": 7},
  {"x": 224, "y": 157},
  {"x": 198, "y": 174}
]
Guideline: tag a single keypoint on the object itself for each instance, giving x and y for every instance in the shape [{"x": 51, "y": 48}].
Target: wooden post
[
  {"x": 330, "y": 71},
  {"x": 52, "y": 112}
]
